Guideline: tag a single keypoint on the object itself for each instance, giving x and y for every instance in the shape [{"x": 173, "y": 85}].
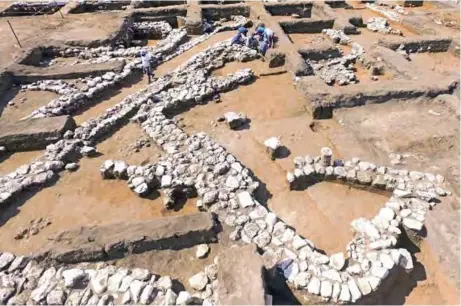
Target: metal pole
[
  {"x": 14, "y": 33},
  {"x": 61, "y": 13}
]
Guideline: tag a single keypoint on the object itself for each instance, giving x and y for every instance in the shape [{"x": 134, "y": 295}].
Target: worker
[
  {"x": 207, "y": 27},
  {"x": 240, "y": 38},
  {"x": 146, "y": 65},
  {"x": 252, "y": 42},
  {"x": 267, "y": 35}
]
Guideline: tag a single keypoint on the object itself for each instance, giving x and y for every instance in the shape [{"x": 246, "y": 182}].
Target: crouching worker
[
  {"x": 267, "y": 35},
  {"x": 146, "y": 65},
  {"x": 240, "y": 37}
]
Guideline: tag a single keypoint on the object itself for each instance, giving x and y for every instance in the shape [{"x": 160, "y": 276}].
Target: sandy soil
[
  {"x": 25, "y": 102},
  {"x": 275, "y": 109},
  {"x": 83, "y": 197}
]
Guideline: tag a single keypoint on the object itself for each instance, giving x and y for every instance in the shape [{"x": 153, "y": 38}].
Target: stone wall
[
  {"x": 302, "y": 9},
  {"x": 34, "y": 8},
  {"x": 156, "y": 3},
  {"x": 325, "y": 99},
  {"x": 417, "y": 44},
  {"x": 306, "y": 25},
  {"x": 216, "y": 12},
  {"x": 29, "y": 74},
  {"x": 93, "y": 6}
]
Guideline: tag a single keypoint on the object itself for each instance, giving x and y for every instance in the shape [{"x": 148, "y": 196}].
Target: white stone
[
  {"x": 72, "y": 277},
  {"x": 345, "y": 294},
  {"x": 379, "y": 272},
  {"x": 146, "y": 295},
  {"x": 413, "y": 224},
  {"x": 314, "y": 286},
  {"x": 326, "y": 289},
  {"x": 354, "y": 290},
  {"x": 170, "y": 297},
  {"x": 99, "y": 281},
  {"x": 198, "y": 281},
  {"x": 298, "y": 242},
  {"x": 164, "y": 283},
  {"x": 336, "y": 291},
  {"x": 202, "y": 251},
  {"x": 136, "y": 287},
  {"x": 183, "y": 298},
  {"x": 245, "y": 200},
  {"x": 5, "y": 259},
  {"x": 406, "y": 261},
  {"x": 364, "y": 286},
  {"x": 337, "y": 261},
  {"x": 374, "y": 282},
  {"x": 272, "y": 143}
]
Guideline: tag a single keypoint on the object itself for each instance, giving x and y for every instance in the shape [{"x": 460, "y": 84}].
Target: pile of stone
[
  {"x": 75, "y": 99},
  {"x": 380, "y": 25},
  {"x": 27, "y": 281},
  {"x": 337, "y": 36},
  {"x": 34, "y": 227},
  {"x": 206, "y": 283},
  {"x": 57, "y": 86},
  {"x": 152, "y": 28},
  {"x": 338, "y": 70}
]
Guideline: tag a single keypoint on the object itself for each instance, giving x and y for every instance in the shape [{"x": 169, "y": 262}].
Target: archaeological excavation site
[{"x": 182, "y": 152}]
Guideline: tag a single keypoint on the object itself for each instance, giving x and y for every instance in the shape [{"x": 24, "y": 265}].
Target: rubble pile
[
  {"x": 338, "y": 70},
  {"x": 25, "y": 281},
  {"x": 378, "y": 24},
  {"x": 152, "y": 28},
  {"x": 337, "y": 36}
]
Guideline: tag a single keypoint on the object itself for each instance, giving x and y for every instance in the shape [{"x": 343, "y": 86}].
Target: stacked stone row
[
  {"x": 57, "y": 86},
  {"x": 26, "y": 282},
  {"x": 68, "y": 103},
  {"x": 338, "y": 70},
  {"x": 380, "y": 25},
  {"x": 157, "y": 28}
]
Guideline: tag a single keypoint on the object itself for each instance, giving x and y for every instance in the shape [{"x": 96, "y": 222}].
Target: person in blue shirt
[
  {"x": 240, "y": 38},
  {"x": 266, "y": 37}
]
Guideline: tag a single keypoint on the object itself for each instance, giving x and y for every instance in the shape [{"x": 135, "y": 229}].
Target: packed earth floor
[{"x": 324, "y": 172}]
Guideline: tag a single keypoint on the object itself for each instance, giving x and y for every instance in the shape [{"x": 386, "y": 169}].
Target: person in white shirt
[{"x": 146, "y": 65}]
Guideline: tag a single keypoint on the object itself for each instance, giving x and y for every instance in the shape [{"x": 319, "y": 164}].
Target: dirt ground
[
  {"x": 25, "y": 102},
  {"x": 428, "y": 137},
  {"x": 30, "y": 30}
]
